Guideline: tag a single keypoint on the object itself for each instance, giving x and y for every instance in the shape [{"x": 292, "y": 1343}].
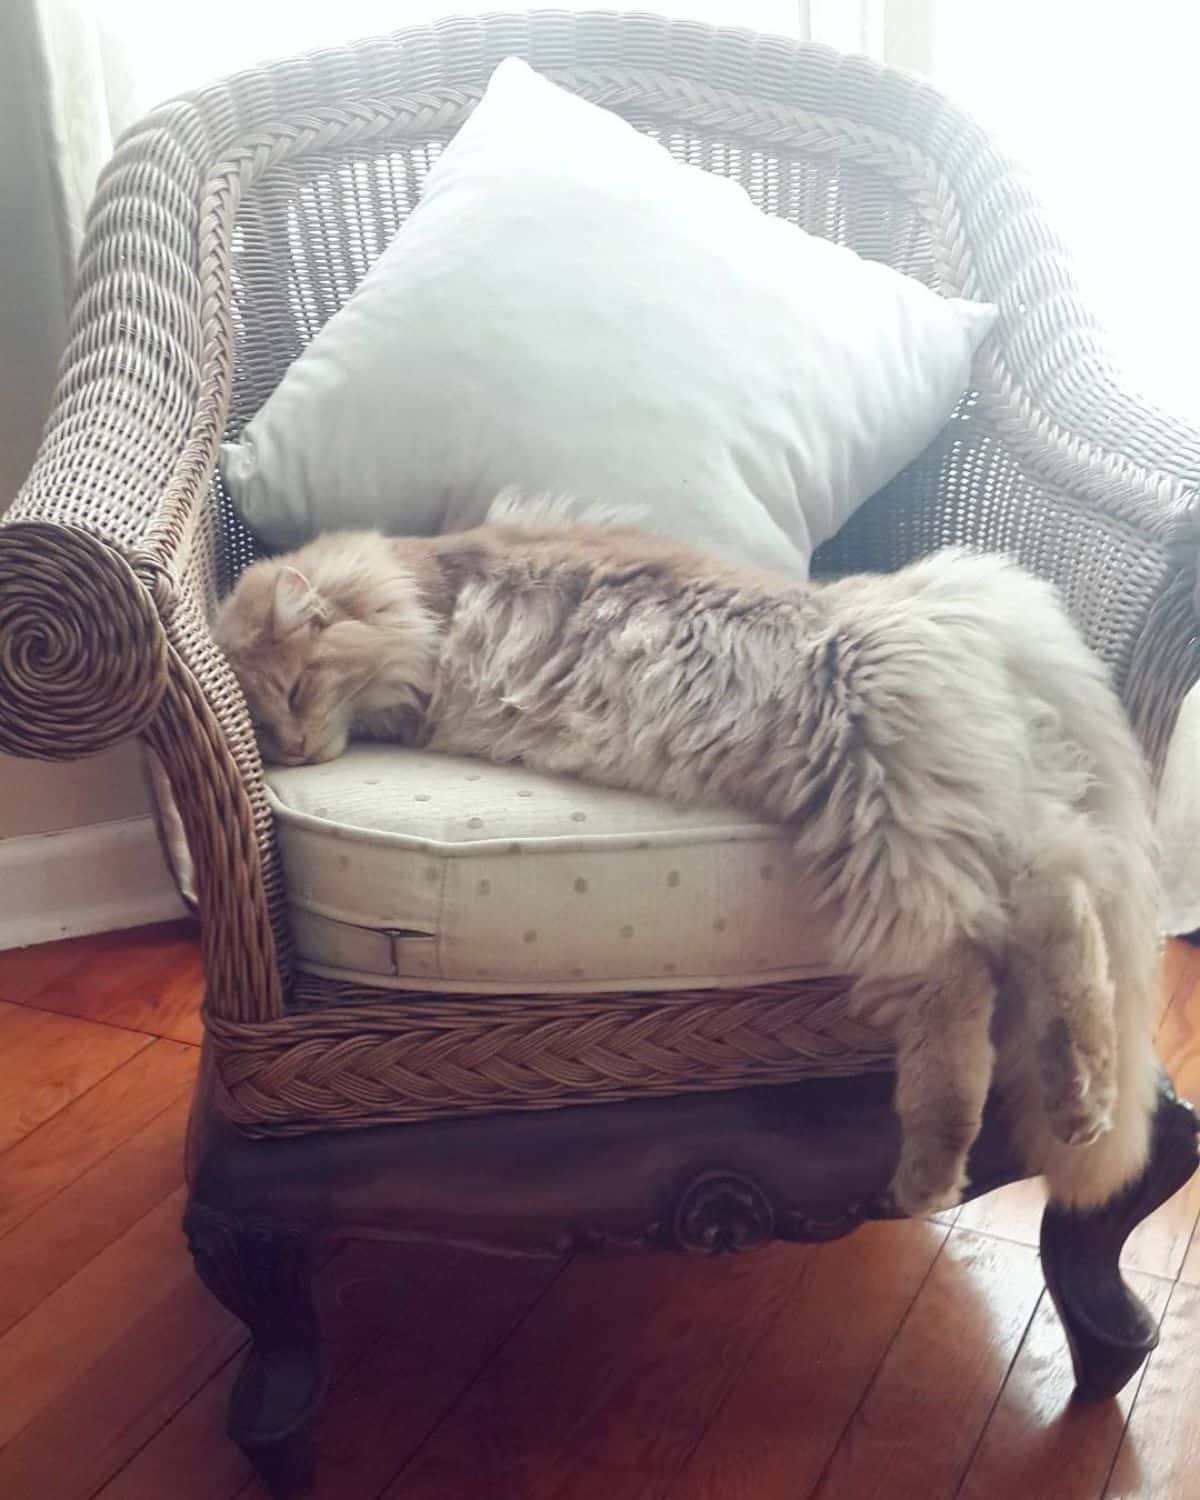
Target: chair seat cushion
[{"x": 411, "y": 870}]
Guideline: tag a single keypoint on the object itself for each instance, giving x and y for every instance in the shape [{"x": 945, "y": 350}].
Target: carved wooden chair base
[
  {"x": 725, "y": 1173},
  {"x": 1109, "y": 1330},
  {"x": 260, "y": 1271}
]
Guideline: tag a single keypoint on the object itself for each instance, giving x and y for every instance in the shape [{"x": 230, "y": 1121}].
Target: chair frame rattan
[{"x": 227, "y": 228}]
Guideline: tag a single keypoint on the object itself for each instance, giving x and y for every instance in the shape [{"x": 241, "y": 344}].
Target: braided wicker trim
[{"x": 364, "y": 1057}]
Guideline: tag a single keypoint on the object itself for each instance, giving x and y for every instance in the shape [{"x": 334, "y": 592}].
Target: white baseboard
[{"x": 83, "y": 880}]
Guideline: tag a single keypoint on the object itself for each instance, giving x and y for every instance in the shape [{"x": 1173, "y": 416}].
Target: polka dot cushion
[{"x": 431, "y": 871}]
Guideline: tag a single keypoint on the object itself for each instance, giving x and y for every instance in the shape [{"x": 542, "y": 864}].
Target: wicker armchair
[{"x": 228, "y": 227}]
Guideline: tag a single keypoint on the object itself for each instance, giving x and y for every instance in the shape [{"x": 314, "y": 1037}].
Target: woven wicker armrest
[
  {"x": 107, "y": 556},
  {"x": 83, "y": 554}
]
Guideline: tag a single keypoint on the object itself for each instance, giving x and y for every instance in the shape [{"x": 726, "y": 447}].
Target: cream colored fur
[{"x": 970, "y": 808}]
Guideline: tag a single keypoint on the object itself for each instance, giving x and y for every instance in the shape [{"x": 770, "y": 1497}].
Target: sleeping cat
[{"x": 968, "y": 803}]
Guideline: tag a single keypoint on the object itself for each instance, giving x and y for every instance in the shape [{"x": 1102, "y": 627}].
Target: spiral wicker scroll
[{"x": 82, "y": 653}]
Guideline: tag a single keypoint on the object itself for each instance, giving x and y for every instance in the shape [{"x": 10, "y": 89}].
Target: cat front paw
[{"x": 920, "y": 1188}]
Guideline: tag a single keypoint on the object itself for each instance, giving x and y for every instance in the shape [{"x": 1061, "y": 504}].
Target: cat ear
[{"x": 294, "y": 604}]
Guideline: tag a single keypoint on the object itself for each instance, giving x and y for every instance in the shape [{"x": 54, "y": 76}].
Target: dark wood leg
[
  {"x": 1109, "y": 1330},
  {"x": 259, "y": 1270}
]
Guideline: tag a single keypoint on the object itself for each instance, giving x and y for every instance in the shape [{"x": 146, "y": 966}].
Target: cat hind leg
[
  {"x": 941, "y": 1027},
  {"x": 1059, "y": 959}
]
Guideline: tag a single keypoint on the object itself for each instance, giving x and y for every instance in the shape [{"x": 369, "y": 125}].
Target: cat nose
[
  {"x": 295, "y": 751},
  {"x": 288, "y": 751}
]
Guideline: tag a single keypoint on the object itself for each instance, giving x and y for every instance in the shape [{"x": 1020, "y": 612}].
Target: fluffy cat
[{"x": 969, "y": 805}]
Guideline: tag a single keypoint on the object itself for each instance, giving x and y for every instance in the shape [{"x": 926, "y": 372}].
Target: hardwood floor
[{"x": 916, "y": 1360}]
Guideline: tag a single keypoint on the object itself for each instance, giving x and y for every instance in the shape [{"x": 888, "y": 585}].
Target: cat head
[{"x": 323, "y": 637}]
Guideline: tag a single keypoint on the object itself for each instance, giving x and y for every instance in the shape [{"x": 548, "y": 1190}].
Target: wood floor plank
[
  {"x": 1157, "y": 1246},
  {"x": 405, "y": 1328},
  {"x": 116, "y": 1404},
  {"x": 69, "y": 1144},
  {"x": 150, "y": 980},
  {"x": 1190, "y": 1272},
  {"x": 793, "y": 1373},
  {"x": 190, "y": 1457},
  {"x": 61, "y": 1238},
  {"x": 623, "y": 1364},
  {"x": 788, "y": 1408},
  {"x": 1159, "y": 1457},
  {"x": 1178, "y": 1042},
  {"x": 25, "y": 971},
  {"x": 919, "y": 1423},
  {"x": 66, "y": 1333},
  {"x": 1160, "y": 1245},
  {"x": 50, "y": 1060},
  {"x": 1013, "y": 1212},
  {"x": 1180, "y": 972},
  {"x": 411, "y": 1345},
  {"x": 1039, "y": 1444}
]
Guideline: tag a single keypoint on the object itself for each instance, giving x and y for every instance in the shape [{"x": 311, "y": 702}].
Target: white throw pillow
[{"x": 570, "y": 310}]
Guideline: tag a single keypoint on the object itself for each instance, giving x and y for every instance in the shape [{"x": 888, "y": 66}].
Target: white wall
[{"x": 47, "y": 796}]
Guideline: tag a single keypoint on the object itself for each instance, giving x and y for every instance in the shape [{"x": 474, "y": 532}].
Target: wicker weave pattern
[
  {"x": 231, "y": 224},
  {"x": 361, "y": 1061}
]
